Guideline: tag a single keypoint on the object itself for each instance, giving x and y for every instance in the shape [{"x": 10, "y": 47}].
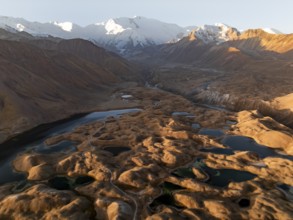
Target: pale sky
[{"x": 242, "y": 14}]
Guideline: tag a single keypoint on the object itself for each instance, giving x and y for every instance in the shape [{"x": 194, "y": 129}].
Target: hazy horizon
[{"x": 243, "y": 15}]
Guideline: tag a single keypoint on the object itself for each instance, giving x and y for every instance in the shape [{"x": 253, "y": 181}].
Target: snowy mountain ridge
[
  {"x": 117, "y": 34},
  {"x": 123, "y": 34},
  {"x": 217, "y": 33},
  {"x": 272, "y": 31}
]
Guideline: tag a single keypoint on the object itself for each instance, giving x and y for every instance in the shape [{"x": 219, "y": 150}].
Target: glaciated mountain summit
[
  {"x": 138, "y": 32},
  {"x": 217, "y": 33}
]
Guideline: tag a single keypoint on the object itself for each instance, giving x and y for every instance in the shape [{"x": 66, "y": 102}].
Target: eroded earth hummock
[{"x": 158, "y": 163}]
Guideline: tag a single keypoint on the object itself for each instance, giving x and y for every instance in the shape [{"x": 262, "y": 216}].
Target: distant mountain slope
[
  {"x": 78, "y": 47},
  {"x": 40, "y": 85},
  {"x": 237, "y": 50},
  {"x": 258, "y": 39},
  {"x": 249, "y": 71}
]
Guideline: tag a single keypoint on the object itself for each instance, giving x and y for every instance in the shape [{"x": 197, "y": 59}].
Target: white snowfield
[
  {"x": 272, "y": 31},
  {"x": 120, "y": 34}
]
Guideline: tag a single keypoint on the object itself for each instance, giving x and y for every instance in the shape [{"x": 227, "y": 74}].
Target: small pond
[
  {"x": 217, "y": 177},
  {"x": 166, "y": 198},
  {"x": 67, "y": 183},
  {"x": 195, "y": 126},
  {"x": 186, "y": 114},
  {"x": 217, "y": 150},
  {"x": 242, "y": 143},
  {"x": 115, "y": 150},
  {"x": 211, "y": 132},
  {"x": 287, "y": 190}
]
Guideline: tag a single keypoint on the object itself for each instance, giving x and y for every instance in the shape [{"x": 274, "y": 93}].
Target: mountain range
[
  {"x": 45, "y": 79},
  {"x": 206, "y": 134},
  {"x": 48, "y": 55},
  {"x": 123, "y": 34}
]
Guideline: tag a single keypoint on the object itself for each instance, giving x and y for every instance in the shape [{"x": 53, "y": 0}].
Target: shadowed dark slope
[{"x": 39, "y": 85}]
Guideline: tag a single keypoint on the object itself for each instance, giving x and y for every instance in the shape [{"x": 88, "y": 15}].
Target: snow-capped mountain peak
[
  {"x": 137, "y": 32},
  {"x": 215, "y": 33}
]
